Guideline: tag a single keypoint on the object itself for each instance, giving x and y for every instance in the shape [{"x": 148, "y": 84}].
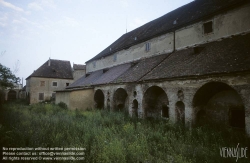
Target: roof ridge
[{"x": 162, "y": 25}]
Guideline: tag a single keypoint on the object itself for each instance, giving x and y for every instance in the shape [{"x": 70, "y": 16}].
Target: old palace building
[{"x": 190, "y": 65}]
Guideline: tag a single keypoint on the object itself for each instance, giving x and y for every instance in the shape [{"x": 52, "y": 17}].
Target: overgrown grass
[{"x": 114, "y": 137}]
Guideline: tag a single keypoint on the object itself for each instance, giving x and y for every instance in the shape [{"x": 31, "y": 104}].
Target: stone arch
[
  {"x": 12, "y": 95},
  {"x": 120, "y": 99},
  {"x": 99, "y": 99},
  {"x": 180, "y": 111},
  {"x": 108, "y": 104},
  {"x": 155, "y": 102},
  {"x": 217, "y": 102},
  {"x": 135, "y": 107}
]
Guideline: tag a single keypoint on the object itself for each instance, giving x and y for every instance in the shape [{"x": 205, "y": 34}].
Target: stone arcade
[{"x": 190, "y": 65}]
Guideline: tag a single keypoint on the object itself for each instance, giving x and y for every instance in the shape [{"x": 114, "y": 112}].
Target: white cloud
[
  {"x": 35, "y": 6},
  {"x": 9, "y": 5},
  {"x": 3, "y": 24},
  {"x": 16, "y": 21},
  {"x": 67, "y": 21},
  {"x": 40, "y": 5},
  {"x": 3, "y": 20},
  {"x": 48, "y": 3}
]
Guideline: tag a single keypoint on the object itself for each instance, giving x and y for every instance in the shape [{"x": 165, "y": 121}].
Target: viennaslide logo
[{"x": 235, "y": 152}]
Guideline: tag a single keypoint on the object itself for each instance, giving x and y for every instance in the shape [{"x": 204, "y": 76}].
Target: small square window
[
  {"x": 41, "y": 96},
  {"x": 67, "y": 84},
  {"x": 115, "y": 58},
  {"x": 42, "y": 83},
  {"x": 147, "y": 46},
  {"x": 208, "y": 27},
  {"x": 54, "y": 84}
]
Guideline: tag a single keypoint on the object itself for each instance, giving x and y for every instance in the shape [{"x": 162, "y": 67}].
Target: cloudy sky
[{"x": 31, "y": 31}]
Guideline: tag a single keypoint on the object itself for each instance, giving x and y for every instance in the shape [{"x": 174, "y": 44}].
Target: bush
[{"x": 63, "y": 105}]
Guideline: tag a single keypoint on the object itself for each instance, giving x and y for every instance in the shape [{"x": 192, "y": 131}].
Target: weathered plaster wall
[
  {"x": 76, "y": 99},
  {"x": 82, "y": 99},
  {"x": 159, "y": 45},
  {"x": 224, "y": 25},
  {"x": 63, "y": 97},
  {"x": 78, "y": 73},
  {"x": 34, "y": 87}
]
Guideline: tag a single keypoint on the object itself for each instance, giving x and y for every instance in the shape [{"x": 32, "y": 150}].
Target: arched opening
[
  {"x": 219, "y": 103},
  {"x": 180, "y": 112},
  {"x": 135, "y": 93},
  {"x": 99, "y": 99},
  {"x": 135, "y": 107},
  {"x": 155, "y": 102},
  {"x": 120, "y": 98},
  {"x": 11, "y": 95}
]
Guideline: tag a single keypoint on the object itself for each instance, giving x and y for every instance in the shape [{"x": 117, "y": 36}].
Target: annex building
[
  {"x": 191, "y": 65},
  {"x": 53, "y": 75}
]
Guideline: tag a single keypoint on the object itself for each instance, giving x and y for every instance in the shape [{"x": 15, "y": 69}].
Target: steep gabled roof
[
  {"x": 79, "y": 67},
  {"x": 111, "y": 74},
  {"x": 139, "y": 69},
  {"x": 56, "y": 69},
  {"x": 86, "y": 81},
  {"x": 104, "y": 76},
  {"x": 185, "y": 15},
  {"x": 220, "y": 57},
  {"x": 231, "y": 55}
]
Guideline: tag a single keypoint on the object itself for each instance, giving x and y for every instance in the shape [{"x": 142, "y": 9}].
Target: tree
[{"x": 7, "y": 78}]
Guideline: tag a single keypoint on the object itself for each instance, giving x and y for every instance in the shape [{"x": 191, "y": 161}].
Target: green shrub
[{"x": 63, "y": 105}]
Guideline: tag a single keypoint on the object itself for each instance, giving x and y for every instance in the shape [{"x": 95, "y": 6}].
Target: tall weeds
[{"x": 113, "y": 136}]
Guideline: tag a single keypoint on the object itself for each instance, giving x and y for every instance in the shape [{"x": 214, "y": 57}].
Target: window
[
  {"x": 147, "y": 48},
  {"x": 208, "y": 27},
  {"x": 94, "y": 64},
  {"x": 67, "y": 84},
  {"x": 115, "y": 57},
  {"x": 41, "y": 96},
  {"x": 54, "y": 84},
  {"x": 42, "y": 83}
]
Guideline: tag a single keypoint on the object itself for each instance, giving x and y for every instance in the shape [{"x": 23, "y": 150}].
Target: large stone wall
[
  {"x": 181, "y": 95},
  {"x": 33, "y": 87},
  {"x": 224, "y": 25}
]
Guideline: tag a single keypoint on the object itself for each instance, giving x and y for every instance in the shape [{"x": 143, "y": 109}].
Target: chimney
[{"x": 49, "y": 62}]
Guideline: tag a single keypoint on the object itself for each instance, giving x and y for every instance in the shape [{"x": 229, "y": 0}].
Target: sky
[{"x": 32, "y": 31}]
